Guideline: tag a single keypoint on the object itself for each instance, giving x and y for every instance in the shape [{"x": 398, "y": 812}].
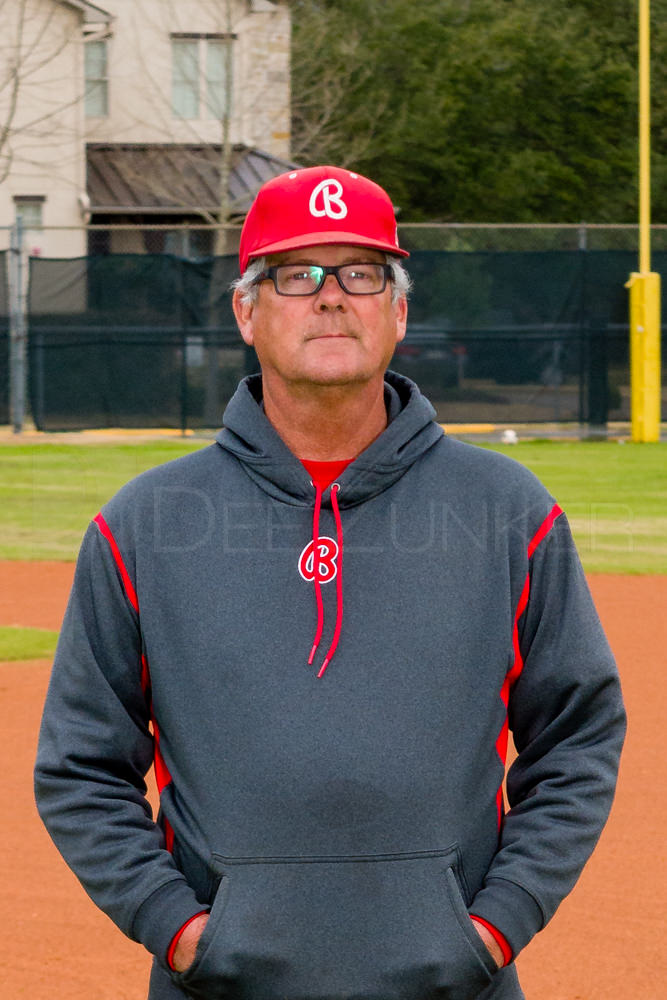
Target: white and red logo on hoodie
[{"x": 327, "y": 566}]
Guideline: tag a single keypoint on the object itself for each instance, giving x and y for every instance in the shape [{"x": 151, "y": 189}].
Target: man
[{"x": 330, "y": 618}]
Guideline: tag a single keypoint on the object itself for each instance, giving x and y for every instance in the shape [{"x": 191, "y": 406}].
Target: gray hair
[{"x": 401, "y": 283}]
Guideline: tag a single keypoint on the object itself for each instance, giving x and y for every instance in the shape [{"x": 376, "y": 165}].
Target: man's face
[{"x": 327, "y": 339}]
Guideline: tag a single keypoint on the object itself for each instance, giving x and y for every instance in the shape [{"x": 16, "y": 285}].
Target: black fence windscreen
[
  {"x": 4, "y": 340},
  {"x": 150, "y": 340},
  {"x": 132, "y": 341}
]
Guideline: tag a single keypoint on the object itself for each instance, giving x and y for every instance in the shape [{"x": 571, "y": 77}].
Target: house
[{"x": 130, "y": 112}]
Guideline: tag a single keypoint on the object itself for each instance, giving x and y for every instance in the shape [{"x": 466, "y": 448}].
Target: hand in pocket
[
  {"x": 490, "y": 942},
  {"x": 184, "y": 953}
]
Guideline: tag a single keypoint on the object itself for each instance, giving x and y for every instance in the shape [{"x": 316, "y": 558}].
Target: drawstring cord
[
  {"x": 316, "y": 577},
  {"x": 339, "y": 580},
  {"x": 316, "y": 573}
]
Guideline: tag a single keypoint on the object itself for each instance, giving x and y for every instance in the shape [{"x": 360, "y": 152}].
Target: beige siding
[
  {"x": 141, "y": 74},
  {"x": 45, "y": 151}
]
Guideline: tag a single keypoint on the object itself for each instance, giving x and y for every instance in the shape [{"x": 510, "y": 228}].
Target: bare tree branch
[{"x": 31, "y": 45}]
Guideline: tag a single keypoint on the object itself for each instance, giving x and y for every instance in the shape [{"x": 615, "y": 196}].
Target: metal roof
[{"x": 170, "y": 178}]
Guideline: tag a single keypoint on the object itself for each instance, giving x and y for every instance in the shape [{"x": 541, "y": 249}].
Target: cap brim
[{"x": 333, "y": 238}]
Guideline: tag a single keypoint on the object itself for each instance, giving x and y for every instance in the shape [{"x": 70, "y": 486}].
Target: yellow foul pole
[
  {"x": 644, "y": 136},
  {"x": 645, "y": 286}
]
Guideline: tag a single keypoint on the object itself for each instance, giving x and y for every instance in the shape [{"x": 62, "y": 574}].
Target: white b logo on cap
[{"x": 332, "y": 202}]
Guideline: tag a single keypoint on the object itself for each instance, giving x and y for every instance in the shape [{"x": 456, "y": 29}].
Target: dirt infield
[
  {"x": 605, "y": 942},
  {"x": 34, "y": 594}
]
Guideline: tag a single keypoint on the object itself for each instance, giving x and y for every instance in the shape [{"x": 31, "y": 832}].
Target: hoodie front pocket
[{"x": 381, "y": 927}]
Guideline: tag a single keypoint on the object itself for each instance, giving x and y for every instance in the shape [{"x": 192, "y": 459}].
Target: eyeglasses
[{"x": 307, "y": 279}]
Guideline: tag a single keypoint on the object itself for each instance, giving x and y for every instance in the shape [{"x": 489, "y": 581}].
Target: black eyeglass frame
[{"x": 271, "y": 274}]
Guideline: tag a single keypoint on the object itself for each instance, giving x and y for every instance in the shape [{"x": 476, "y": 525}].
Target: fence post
[
  {"x": 180, "y": 263},
  {"x": 184, "y": 381},
  {"x": 583, "y": 236},
  {"x": 17, "y": 329}
]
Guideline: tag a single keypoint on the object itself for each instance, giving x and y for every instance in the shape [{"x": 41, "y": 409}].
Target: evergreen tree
[{"x": 486, "y": 110}]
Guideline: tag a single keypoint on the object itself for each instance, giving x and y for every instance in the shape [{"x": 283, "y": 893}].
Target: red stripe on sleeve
[
  {"x": 168, "y": 836},
  {"x": 521, "y": 607},
  {"x": 500, "y": 807},
  {"x": 544, "y": 529},
  {"x": 535, "y": 542},
  {"x": 515, "y": 671},
  {"x": 162, "y": 775},
  {"x": 125, "y": 576}
]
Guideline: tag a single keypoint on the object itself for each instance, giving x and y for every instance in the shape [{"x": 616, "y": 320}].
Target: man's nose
[{"x": 330, "y": 295}]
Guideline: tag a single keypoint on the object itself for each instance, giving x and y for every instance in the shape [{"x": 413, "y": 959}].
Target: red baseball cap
[{"x": 316, "y": 206}]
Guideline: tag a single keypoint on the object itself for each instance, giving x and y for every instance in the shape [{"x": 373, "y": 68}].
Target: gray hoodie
[{"x": 341, "y": 827}]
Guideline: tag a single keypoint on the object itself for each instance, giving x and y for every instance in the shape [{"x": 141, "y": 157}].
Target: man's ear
[
  {"x": 243, "y": 312},
  {"x": 401, "y": 308}
]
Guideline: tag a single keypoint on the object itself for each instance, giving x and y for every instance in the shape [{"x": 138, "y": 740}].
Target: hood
[{"x": 248, "y": 435}]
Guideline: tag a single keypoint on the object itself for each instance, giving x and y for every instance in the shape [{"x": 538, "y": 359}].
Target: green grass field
[
  {"x": 49, "y": 492},
  {"x": 615, "y": 495},
  {"x": 26, "y": 643}
]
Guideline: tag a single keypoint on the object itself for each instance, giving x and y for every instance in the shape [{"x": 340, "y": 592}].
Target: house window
[
  {"x": 97, "y": 82},
  {"x": 216, "y": 65},
  {"x": 185, "y": 78},
  {"x": 29, "y": 211},
  {"x": 199, "y": 69}
]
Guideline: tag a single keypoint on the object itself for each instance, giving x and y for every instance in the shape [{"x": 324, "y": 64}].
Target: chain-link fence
[
  {"x": 4, "y": 340},
  {"x": 525, "y": 238},
  {"x": 196, "y": 242},
  {"x": 506, "y": 324}
]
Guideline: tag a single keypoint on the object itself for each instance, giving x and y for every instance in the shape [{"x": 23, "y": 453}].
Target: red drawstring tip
[
  {"x": 312, "y": 654},
  {"x": 323, "y": 667}
]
